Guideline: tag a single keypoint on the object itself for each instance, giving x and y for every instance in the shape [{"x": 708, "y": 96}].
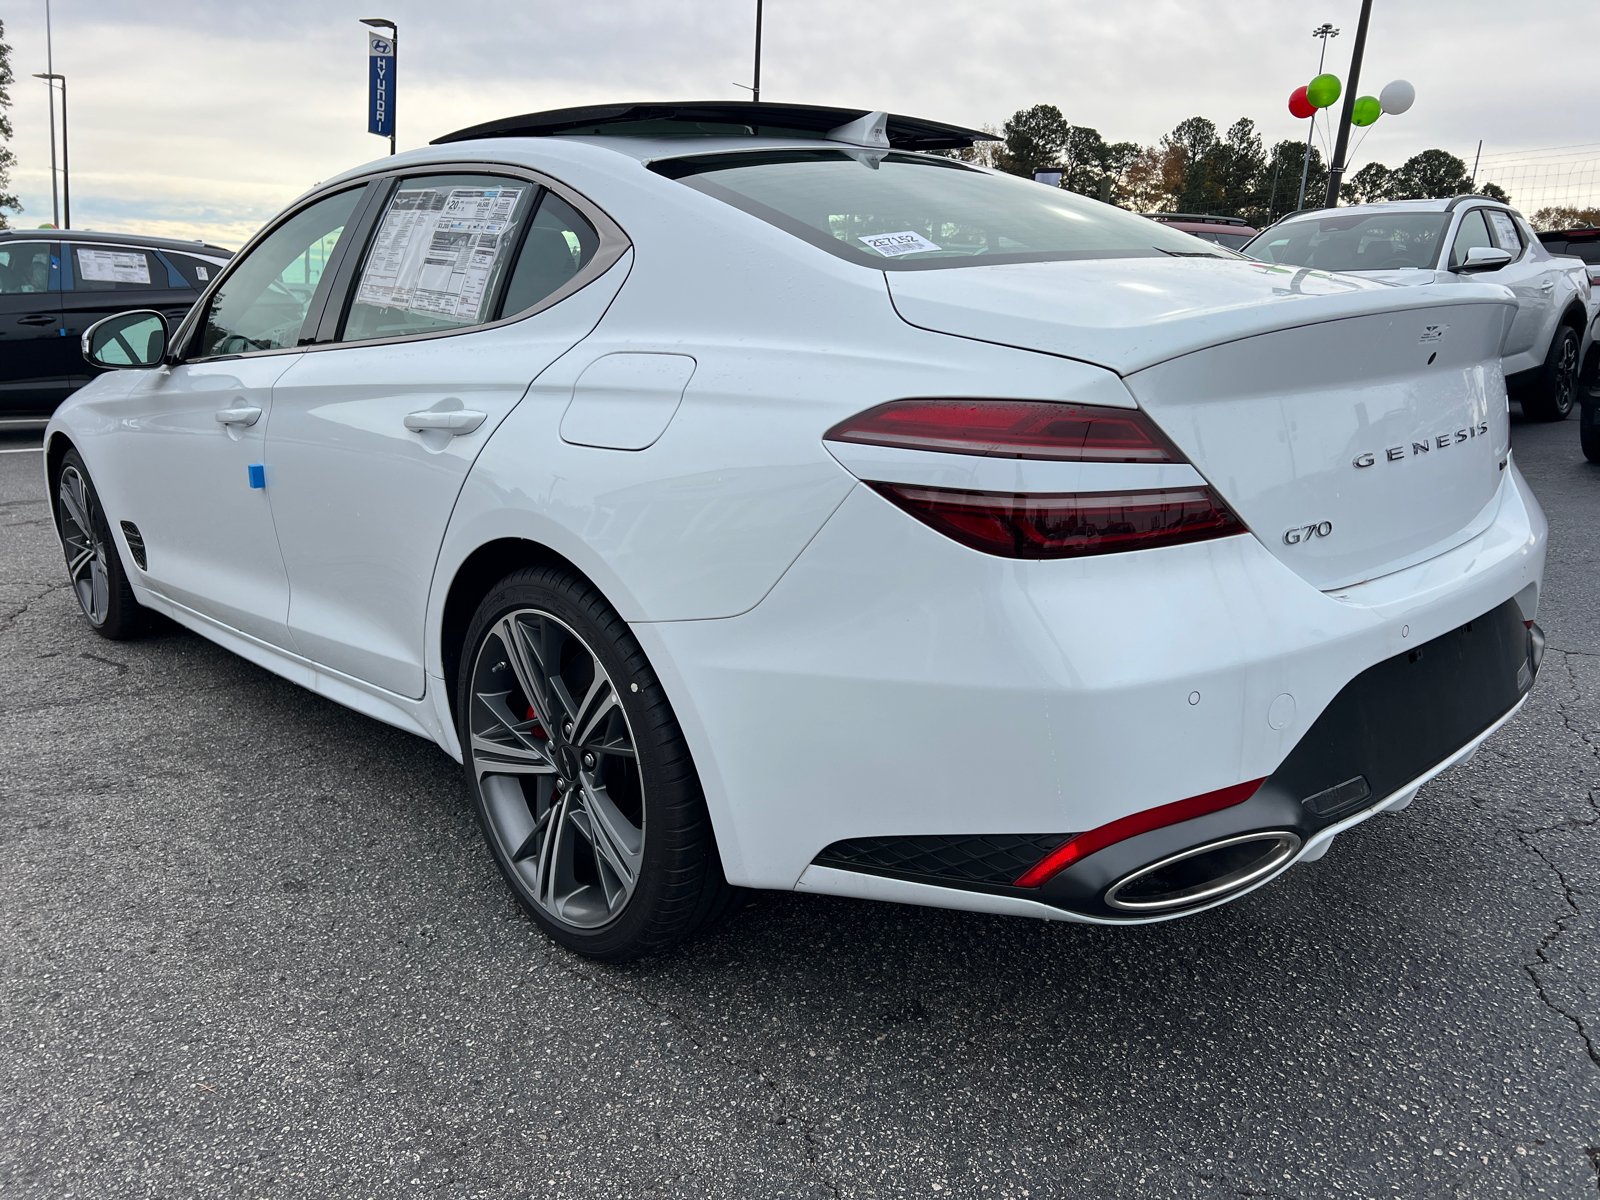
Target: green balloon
[
  {"x": 1366, "y": 110},
  {"x": 1323, "y": 90}
]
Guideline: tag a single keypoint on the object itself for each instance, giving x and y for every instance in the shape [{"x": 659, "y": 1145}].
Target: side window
[
  {"x": 26, "y": 267},
  {"x": 115, "y": 269},
  {"x": 197, "y": 272},
  {"x": 1505, "y": 231},
  {"x": 1473, "y": 233},
  {"x": 264, "y": 301},
  {"x": 559, "y": 244},
  {"x": 438, "y": 255}
]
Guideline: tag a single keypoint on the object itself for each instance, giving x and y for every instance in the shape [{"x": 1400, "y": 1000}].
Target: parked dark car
[
  {"x": 1584, "y": 244},
  {"x": 55, "y": 283},
  {"x": 1229, "y": 232}
]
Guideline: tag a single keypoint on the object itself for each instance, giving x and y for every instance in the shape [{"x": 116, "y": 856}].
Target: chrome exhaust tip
[{"x": 1203, "y": 872}]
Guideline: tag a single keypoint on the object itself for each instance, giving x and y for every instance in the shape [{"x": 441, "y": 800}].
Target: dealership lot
[{"x": 254, "y": 948}]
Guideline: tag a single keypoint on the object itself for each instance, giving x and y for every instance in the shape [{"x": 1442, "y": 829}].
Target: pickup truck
[{"x": 1410, "y": 242}]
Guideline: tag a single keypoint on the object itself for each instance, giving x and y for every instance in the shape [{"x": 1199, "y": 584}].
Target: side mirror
[
  {"x": 1485, "y": 258},
  {"x": 131, "y": 339}
]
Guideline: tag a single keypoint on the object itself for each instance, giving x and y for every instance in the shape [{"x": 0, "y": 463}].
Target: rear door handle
[
  {"x": 239, "y": 416},
  {"x": 454, "y": 422},
  {"x": 41, "y": 319},
  {"x": 1548, "y": 284}
]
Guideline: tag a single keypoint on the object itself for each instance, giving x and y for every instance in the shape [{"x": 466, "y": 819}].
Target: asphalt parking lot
[{"x": 252, "y": 948}]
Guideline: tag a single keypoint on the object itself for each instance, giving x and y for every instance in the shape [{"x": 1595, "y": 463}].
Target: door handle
[
  {"x": 40, "y": 319},
  {"x": 1548, "y": 284},
  {"x": 239, "y": 416},
  {"x": 454, "y": 422}
]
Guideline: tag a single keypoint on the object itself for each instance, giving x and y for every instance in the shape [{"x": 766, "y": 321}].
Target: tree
[
  {"x": 1563, "y": 216},
  {"x": 7, "y": 158},
  {"x": 1373, "y": 184},
  {"x": 1431, "y": 175},
  {"x": 1495, "y": 192},
  {"x": 1035, "y": 140},
  {"x": 983, "y": 154},
  {"x": 1153, "y": 180},
  {"x": 1284, "y": 166}
]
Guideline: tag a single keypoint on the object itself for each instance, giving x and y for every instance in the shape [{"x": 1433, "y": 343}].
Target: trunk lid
[{"x": 1356, "y": 428}]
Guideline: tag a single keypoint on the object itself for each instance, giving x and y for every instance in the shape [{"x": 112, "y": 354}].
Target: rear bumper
[{"x": 894, "y": 684}]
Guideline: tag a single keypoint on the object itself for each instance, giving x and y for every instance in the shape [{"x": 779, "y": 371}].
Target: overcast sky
[{"x": 204, "y": 118}]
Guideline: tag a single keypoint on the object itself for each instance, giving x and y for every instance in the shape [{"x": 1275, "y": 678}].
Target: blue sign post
[{"x": 381, "y": 60}]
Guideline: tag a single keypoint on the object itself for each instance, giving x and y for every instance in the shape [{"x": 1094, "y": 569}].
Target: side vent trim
[{"x": 135, "y": 540}]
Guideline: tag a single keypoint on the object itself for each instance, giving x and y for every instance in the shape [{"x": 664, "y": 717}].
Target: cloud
[{"x": 203, "y": 119}]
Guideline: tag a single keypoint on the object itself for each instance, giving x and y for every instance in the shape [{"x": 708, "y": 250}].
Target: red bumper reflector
[
  {"x": 1085, "y": 844},
  {"x": 1067, "y": 525}
]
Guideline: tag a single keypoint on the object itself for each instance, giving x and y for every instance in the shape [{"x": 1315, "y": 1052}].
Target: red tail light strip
[
  {"x": 1085, "y": 844},
  {"x": 1068, "y": 525},
  {"x": 1011, "y": 429}
]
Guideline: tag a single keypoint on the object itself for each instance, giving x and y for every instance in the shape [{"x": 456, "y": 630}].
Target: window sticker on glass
[
  {"x": 113, "y": 266},
  {"x": 437, "y": 249},
  {"x": 892, "y": 245},
  {"x": 201, "y": 273},
  {"x": 1505, "y": 230}
]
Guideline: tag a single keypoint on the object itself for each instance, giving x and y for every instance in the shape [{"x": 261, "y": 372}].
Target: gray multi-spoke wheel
[
  {"x": 1554, "y": 390},
  {"x": 584, "y": 785},
  {"x": 94, "y": 567}
]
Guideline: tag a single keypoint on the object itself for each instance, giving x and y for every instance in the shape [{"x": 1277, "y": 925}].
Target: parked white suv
[{"x": 1442, "y": 241}]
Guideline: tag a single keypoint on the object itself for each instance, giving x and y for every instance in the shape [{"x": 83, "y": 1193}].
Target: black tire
[
  {"x": 1589, "y": 431},
  {"x": 94, "y": 561},
  {"x": 1554, "y": 389},
  {"x": 574, "y": 793}
]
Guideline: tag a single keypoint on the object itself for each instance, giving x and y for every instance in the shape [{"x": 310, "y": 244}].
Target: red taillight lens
[
  {"x": 1085, "y": 844},
  {"x": 1069, "y": 525},
  {"x": 1011, "y": 429}
]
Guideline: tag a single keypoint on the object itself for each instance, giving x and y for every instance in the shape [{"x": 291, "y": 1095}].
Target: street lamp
[
  {"x": 64, "y": 218},
  {"x": 394, "y": 37}
]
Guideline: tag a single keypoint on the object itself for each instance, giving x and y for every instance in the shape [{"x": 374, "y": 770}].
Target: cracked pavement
[{"x": 253, "y": 949}]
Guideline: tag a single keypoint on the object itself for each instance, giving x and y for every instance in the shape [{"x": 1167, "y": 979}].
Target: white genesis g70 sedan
[{"x": 750, "y": 496}]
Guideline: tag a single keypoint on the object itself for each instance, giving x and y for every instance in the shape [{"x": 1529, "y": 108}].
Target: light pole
[
  {"x": 1336, "y": 168},
  {"x": 64, "y": 214},
  {"x": 1323, "y": 31},
  {"x": 394, "y": 37}
]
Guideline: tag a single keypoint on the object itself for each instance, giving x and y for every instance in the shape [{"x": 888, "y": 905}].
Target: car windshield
[
  {"x": 1354, "y": 242},
  {"x": 903, "y": 211},
  {"x": 1233, "y": 241}
]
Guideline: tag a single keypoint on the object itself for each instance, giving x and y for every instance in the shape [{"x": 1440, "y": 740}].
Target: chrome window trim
[{"x": 614, "y": 243}]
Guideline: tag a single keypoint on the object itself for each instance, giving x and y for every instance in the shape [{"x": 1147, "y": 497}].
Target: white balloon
[{"x": 1397, "y": 97}]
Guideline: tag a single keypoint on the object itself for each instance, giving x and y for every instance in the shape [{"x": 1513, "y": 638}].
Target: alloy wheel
[
  {"x": 1566, "y": 381},
  {"x": 556, "y": 768},
  {"x": 86, "y": 552}
]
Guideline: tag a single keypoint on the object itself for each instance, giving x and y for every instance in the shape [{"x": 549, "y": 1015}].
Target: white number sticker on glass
[{"x": 113, "y": 266}]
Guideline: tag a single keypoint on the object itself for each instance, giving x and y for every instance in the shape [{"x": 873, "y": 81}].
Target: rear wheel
[
  {"x": 1589, "y": 431},
  {"x": 1550, "y": 396},
  {"x": 93, "y": 565},
  {"x": 584, "y": 785}
]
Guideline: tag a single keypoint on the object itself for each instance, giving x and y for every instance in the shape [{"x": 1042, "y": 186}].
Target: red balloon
[{"x": 1299, "y": 106}]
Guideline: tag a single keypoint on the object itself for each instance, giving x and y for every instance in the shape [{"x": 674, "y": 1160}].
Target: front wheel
[
  {"x": 583, "y": 781},
  {"x": 1555, "y": 388},
  {"x": 94, "y": 567}
]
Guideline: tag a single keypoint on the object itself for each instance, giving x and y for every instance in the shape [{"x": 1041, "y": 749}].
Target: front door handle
[
  {"x": 1548, "y": 284},
  {"x": 239, "y": 416},
  {"x": 40, "y": 319},
  {"x": 454, "y": 422}
]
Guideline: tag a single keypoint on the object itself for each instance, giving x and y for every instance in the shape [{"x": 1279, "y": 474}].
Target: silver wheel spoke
[
  {"x": 77, "y": 565},
  {"x": 86, "y": 554}
]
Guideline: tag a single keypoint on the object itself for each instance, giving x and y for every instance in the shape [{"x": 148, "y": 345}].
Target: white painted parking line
[{"x": 25, "y": 450}]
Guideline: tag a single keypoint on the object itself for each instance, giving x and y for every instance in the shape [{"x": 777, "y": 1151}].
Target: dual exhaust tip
[{"x": 1205, "y": 872}]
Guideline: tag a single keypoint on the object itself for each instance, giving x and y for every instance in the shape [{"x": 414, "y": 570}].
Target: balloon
[
  {"x": 1323, "y": 91},
  {"x": 1397, "y": 97},
  {"x": 1299, "y": 106},
  {"x": 1366, "y": 110}
]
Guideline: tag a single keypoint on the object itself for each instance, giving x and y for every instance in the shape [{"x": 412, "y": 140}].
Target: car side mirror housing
[
  {"x": 136, "y": 339},
  {"x": 1484, "y": 258}
]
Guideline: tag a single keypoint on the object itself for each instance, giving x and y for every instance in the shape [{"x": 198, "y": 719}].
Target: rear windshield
[
  {"x": 908, "y": 212},
  {"x": 1233, "y": 241},
  {"x": 1359, "y": 242}
]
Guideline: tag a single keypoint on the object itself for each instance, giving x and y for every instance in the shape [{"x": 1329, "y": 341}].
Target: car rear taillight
[
  {"x": 1011, "y": 429},
  {"x": 1085, "y": 844},
  {"x": 1068, "y": 525}
]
